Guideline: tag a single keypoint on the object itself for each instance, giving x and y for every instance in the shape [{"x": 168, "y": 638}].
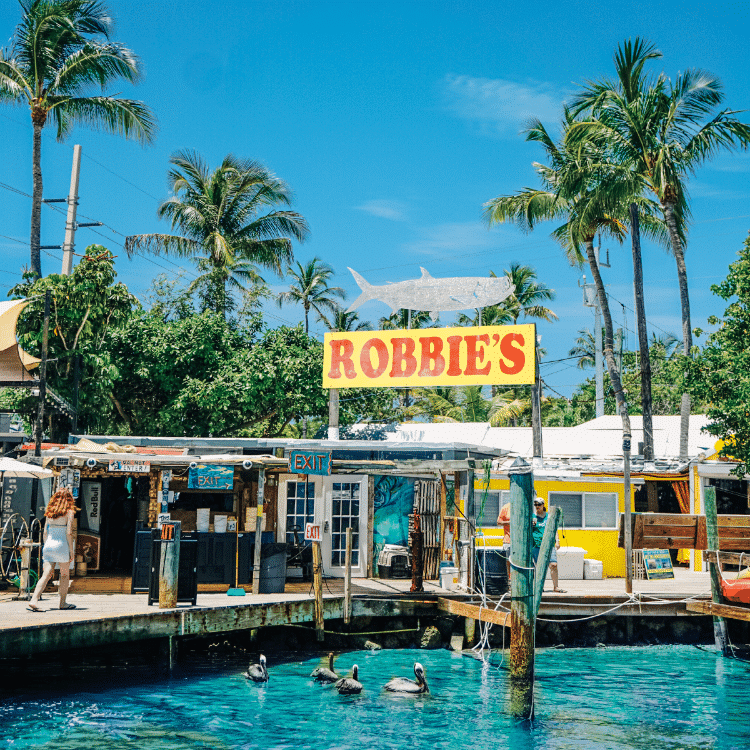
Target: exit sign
[{"x": 310, "y": 462}]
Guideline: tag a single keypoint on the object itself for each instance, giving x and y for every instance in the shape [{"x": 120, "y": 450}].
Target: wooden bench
[{"x": 682, "y": 531}]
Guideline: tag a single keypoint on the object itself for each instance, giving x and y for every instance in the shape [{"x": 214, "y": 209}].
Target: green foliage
[
  {"x": 310, "y": 289},
  {"x": 720, "y": 374}
]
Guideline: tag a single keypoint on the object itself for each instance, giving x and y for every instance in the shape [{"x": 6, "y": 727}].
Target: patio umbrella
[{"x": 12, "y": 468}]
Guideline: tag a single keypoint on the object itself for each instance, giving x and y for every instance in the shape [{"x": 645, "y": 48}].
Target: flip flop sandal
[
  {"x": 31, "y": 608},
  {"x": 67, "y": 606},
  {"x": 559, "y": 591}
]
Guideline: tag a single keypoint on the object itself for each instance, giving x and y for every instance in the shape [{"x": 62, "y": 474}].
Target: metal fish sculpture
[{"x": 435, "y": 295}]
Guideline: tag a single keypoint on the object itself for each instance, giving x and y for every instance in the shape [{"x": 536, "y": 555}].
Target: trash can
[
  {"x": 272, "y": 568},
  {"x": 491, "y": 573}
]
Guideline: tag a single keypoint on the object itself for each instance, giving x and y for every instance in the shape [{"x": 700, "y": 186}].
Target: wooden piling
[
  {"x": 712, "y": 538},
  {"x": 348, "y": 577},
  {"x": 522, "y": 591},
  {"x": 169, "y": 564},
  {"x": 318, "y": 587},
  {"x": 549, "y": 540},
  {"x": 417, "y": 562},
  {"x": 259, "y": 530}
]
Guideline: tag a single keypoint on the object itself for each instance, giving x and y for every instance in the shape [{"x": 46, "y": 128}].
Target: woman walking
[{"x": 58, "y": 546}]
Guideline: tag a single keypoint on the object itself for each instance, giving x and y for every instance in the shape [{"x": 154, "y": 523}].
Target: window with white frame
[
  {"x": 586, "y": 510},
  {"x": 486, "y": 517},
  {"x": 300, "y": 508}
]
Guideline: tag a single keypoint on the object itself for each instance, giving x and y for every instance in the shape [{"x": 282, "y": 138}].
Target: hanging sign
[
  {"x": 310, "y": 462},
  {"x": 312, "y": 532},
  {"x": 487, "y": 355},
  {"x": 92, "y": 505},
  {"x": 211, "y": 477},
  {"x": 70, "y": 478},
  {"x": 131, "y": 467},
  {"x": 658, "y": 564}
]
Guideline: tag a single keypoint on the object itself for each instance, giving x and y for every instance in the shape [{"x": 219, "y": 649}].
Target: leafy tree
[
  {"x": 662, "y": 132},
  {"x": 720, "y": 374},
  {"x": 310, "y": 289},
  {"x": 55, "y": 58},
  {"x": 85, "y": 307},
  {"x": 225, "y": 230}
]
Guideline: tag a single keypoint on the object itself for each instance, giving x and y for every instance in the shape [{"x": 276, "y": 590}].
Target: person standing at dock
[
  {"x": 503, "y": 521},
  {"x": 539, "y": 522},
  {"x": 59, "y": 548}
]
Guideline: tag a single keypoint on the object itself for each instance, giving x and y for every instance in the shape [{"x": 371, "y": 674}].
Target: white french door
[{"x": 344, "y": 505}]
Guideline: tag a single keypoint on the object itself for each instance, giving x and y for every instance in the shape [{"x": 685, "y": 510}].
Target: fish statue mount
[{"x": 435, "y": 295}]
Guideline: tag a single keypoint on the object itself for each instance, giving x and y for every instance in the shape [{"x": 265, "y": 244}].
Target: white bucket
[
  {"x": 202, "y": 519},
  {"x": 448, "y": 578},
  {"x": 220, "y": 524}
]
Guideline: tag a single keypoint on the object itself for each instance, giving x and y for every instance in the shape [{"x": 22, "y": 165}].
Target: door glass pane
[
  {"x": 300, "y": 508},
  {"x": 571, "y": 504},
  {"x": 601, "y": 510},
  {"x": 344, "y": 513}
]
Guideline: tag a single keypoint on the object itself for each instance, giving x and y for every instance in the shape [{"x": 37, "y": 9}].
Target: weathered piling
[
  {"x": 348, "y": 577},
  {"x": 522, "y": 591},
  {"x": 712, "y": 538},
  {"x": 318, "y": 588},
  {"x": 169, "y": 564},
  {"x": 549, "y": 539},
  {"x": 258, "y": 530}
]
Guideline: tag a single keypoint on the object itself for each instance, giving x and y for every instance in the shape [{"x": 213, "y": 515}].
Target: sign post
[{"x": 169, "y": 564}]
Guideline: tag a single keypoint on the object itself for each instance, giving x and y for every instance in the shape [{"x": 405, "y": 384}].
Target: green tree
[
  {"x": 227, "y": 230},
  {"x": 720, "y": 373},
  {"x": 310, "y": 289},
  {"x": 662, "y": 131},
  {"x": 59, "y": 51},
  {"x": 338, "y": 319},
  {"x": 403, "y": 319}
]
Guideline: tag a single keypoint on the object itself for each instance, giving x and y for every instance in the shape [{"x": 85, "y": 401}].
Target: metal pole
[
  {"x": 42, "y": 376},
  {"x": 628, "y": 523},
  {"x": 70, "y": 224},
  {"x": 259, "y": 530},
  {"x": 712, "y": 538},
  {"x": 348, "y": 577},
  {"x": 333, "y": 414},
  {"x": 522, "y": 591}
]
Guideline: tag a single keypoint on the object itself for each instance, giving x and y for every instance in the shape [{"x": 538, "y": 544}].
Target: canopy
[
  {"x": 9, "y": 467},
  {"x": 15, "y": 363}
]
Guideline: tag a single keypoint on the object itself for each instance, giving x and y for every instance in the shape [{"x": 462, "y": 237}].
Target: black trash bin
[
  {"x": 272, "y": 568},
  {"x": 491, "y": 572}
]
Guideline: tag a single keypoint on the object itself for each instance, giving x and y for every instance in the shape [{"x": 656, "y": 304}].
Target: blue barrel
[{"x": 491, "y": 573}]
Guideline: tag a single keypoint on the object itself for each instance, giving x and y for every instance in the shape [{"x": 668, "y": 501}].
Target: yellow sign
[{"x": 488, "y": 355}]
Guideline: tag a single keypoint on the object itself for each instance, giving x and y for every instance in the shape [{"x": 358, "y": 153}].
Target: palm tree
[
  {"x": 310, "y": 288},
  {"x": 403, "y": 319},
  {"x": 224, "y": 230},
  {"x": 584, "y": 349},
  {"x": 52, "y": 63},
  {"x": 341, "y": 320},
  {"x": 663, "y": 132}
]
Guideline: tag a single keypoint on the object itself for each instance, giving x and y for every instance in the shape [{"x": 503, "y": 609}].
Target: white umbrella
[{"x": 12, "y": 468}]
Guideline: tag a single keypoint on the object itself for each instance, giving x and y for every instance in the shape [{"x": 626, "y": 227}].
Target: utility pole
[{"x": 70, "y": 224}]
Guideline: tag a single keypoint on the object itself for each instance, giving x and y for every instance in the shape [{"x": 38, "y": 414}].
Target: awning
[{"x": 15, "y": 363}]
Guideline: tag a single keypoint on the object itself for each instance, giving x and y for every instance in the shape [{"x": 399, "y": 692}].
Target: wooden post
[
  {"x": 259, "y": 530},
  {"x": 536, "y": 406},
  {"x": 545, "y": 552},
  {"x": 333, "y": 414},
  {"x": 417, "y": 584},
  {"x": 522, "y": 591},
  {"x": 318, "y": 587},
  {"x": 628, "y": 536},
  {"x": 348, "y": 577},
  {"x": 169, "y": 564},
  {"x": 39, "y": 427},
  {"x": 23, "y": 588},
  {"x": 712, "y": 538}
]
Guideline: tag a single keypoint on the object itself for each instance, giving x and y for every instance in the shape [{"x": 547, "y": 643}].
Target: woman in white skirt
[{"x": 58, "y": 546}]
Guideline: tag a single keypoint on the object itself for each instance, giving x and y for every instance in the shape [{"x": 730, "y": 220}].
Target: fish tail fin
[{"x": 367, "y": 291}]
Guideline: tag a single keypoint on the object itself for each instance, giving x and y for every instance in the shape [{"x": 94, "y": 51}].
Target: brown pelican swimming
[
  {"x": 258, "y": 672},
  {"x": 325, "y": 674},
  {"x": 403, "y": 685},
  {"x": 349, "y": 685}
]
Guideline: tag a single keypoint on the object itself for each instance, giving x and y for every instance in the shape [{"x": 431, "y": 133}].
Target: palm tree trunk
[
  {"x": 609, "y": 353},
  {"x": 36, "y": 202},
  {"x": 640, "y": 312},
  {"x": 687, "y": 334}
]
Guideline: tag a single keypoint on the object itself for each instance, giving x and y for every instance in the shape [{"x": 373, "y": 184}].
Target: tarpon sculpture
[{"x": 435, "y": 295}]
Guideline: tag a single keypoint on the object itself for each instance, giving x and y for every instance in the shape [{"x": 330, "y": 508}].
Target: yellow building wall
[{"x": 600, "y": 544}]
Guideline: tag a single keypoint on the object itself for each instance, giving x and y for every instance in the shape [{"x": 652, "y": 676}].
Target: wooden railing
[{"x": 681, "y": 531}]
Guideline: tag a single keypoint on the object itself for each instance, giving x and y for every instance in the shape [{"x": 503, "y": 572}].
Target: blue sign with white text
[
  {"x": 310, "y": 462},
  {"x": 211, "y": 477}
]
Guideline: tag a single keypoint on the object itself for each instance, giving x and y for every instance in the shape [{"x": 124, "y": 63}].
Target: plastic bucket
[
  {"x": 202, "y": 519},
  {"x": 448, "y": 578},
  {"x": 220, "y": 524}
]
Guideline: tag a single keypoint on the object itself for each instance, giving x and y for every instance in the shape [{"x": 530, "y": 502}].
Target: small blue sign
[
  {"x": 310, "y": 462},
  {"x": 211, "y": 477}
]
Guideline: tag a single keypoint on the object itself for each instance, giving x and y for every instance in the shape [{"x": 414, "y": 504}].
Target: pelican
[
  {"x": 349, "y": 685},
  {"x": 258, "y": 672},
  {"x": 403, "y": 685},
  {"x": 325, "y": 674}
]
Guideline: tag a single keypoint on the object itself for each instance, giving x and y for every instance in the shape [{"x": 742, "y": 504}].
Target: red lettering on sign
[
  {"x": 454, "y": 347},
  {"x": 341, "y": 354},
  {"x": 365, "y": 361},
  {"x": 475, "y": 354},
  {"x": 404, "y": 361},
  {"x": 433, "y": 362},
  {"x": 512, "y": 353}
]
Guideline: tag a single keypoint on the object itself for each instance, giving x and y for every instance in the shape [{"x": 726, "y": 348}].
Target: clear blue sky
[{"x": 393, "y": 122}]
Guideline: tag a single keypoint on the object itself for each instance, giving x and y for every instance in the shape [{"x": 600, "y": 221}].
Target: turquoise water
[{"x": 650, "y": 697}]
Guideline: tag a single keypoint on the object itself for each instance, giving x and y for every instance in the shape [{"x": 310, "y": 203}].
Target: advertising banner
[
  {"x": 487, "y": 355},
  {"x": 92, "y": 505}
]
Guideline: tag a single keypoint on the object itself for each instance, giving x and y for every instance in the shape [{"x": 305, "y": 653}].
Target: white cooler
[
  {"x": 593, "y": 570},
  {"x": 570, "y": 563}
]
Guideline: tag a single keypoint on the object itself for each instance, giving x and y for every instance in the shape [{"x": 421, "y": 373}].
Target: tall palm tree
[
  {"x": 584, "y": 349},
  {"x": 402, "y": 319},
  {"x": 663, "y": 131},
  {"x": 340, "y": 320},
  {"x": 225, "y": 229},
  {"x": 51, "y": 65},
  {"x": 310, "y": 288}
]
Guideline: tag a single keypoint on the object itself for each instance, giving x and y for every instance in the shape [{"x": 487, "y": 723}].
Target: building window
[
  {"x": 345, "y": 514},
  {"x": 486, "y": 517},
  {"x": 300, "y": 508},
  {"x": 586, "y": 510}
]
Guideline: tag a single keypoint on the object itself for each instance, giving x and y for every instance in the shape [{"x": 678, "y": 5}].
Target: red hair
[{"x": 60, "y": 503}]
